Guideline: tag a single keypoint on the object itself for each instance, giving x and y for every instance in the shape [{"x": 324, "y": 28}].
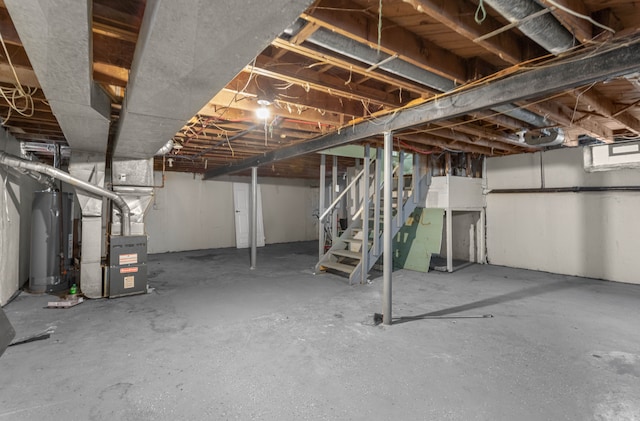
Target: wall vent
[{"x": 612, "y": 156}]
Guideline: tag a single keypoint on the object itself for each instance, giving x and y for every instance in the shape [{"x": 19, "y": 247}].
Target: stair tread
[
  {"x": 354, "y": 240},
  {"x": 338, "y": 266},
  {"x": 347, "y": 253}
]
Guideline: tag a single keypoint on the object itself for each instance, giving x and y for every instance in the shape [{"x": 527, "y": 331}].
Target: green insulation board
[{"x": 418, "y": 239}]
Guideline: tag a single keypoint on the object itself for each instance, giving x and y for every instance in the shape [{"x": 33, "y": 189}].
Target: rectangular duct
[{"x": 188, "y": 51}]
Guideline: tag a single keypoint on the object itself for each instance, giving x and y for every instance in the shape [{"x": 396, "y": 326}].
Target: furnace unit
[{"x": 127, "y": 265}]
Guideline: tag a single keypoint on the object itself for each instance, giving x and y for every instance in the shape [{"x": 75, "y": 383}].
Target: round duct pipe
[
  {"x": 166, "y": 148},
  {"x": 544, "y": 137},
  {"x": 544, "y": 30},
  {"x": 15, "y": 162}
]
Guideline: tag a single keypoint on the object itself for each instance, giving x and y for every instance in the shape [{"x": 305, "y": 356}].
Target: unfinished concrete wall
[
  {"x": 190, "y": 213},
  {"x": 16, "y": 197},
  {"x": 593, "y": 234}
]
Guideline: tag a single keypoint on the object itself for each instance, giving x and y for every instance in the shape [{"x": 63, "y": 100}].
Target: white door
[{"x": 242, "y": 205}]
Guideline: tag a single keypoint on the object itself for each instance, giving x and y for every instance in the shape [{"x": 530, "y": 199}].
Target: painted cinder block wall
[
  {"x": 594, "y": 234},
  {"x": 192, "y": 214}
]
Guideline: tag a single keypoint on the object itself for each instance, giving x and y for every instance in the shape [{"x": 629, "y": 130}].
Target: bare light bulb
[{"x": 262, "y": 113}]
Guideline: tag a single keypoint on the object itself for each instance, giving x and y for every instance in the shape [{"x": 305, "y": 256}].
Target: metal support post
[
  {"x": 334, "y": 194},
  {"x": 323, "y": 173},
  {"x": 400, "y": 198},
  {"x": 376, "y": 205},
  {"x": 415, "y": 178},
  {"x": 388, "y": 219},
  {"x": 449, "y": 218},
  {"x": 482, "y": 255},
  {"x": 366, "y": 206},
  {"x": 483, "y": 215},
  {"x": 254, "y": 216}
]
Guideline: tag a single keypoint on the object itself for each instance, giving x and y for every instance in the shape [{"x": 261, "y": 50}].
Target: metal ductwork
[
  {"x": 363, "y": 53},
  {"x": 544, "y": 138},
  {"x": 57, "y": 39},
  {"x": 168, "y": 147},
  {"x": 184, "y": 46},
  {"x": 15, "y": 162},
  {"x": 545, "y": 29},
  {"x": 358, "y": 51},
  {"x": 47, "y": 182},
  {"x": 522, "y": 115}
]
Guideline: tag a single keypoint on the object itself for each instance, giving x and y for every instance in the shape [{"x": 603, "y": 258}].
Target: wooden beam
[
  {"x": 458, "y": 15},
  {"x": 395, "y": 39},
  {"x": 296, "y": 95},
  {"x": 461, "y": 137},
  {"x": 231, "y": 100},
  {"x": 27, "y": 76},
  {"x": 110, "y": 74},
  {"x": 309, "y": 78},
  {"x": 430, "y": 140},
  {"x": 580, "y": 28},
  {"x": 351, "y": 66},
  {"x": 307, "y": 30},
  {"x": 7, "y": 29},
  {"x": 564, "y": 116},
  {"x": 493, "y": 139},
  {"x": 112, "y": 51},
  {"x": 604, "y": 106},
  {"x": 540, "y": 82}
]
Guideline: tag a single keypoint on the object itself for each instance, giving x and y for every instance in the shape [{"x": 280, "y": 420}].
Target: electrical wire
[
  {"x": 547, "y": 61},
  {"x": 13, "y": 95},
  {"x": 379, "y": 25},
  {"x": 579, "y": 15},
  {"x": 481, "y": 13}
]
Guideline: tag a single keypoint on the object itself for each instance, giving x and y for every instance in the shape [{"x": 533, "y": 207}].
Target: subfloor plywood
[
  {"x": 418, "y": 239},
  {"x": 216, "y": 340}
]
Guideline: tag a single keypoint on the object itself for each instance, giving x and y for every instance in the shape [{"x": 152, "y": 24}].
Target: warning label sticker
[
  {"x": 129, "y": 281},
  {"x": 128, "y": 259},
  {"x": 129, "y": 270}
]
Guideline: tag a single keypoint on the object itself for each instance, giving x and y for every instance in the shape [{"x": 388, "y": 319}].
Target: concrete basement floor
[{"x": 216, "y": 341}]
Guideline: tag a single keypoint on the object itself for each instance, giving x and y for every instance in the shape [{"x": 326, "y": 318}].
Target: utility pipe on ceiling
[
  {"x": 545, "y": 30},
  {"x": 168, "y": 147},
  {"x": 15, "y": 162},
  {"x": 40, "y": 178},
  {"x": 353, "y": 49}
]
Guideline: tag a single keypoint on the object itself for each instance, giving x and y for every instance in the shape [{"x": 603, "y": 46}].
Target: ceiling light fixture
[{"x": 263, "y": 112}]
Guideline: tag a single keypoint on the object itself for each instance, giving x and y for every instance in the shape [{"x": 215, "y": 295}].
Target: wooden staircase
[{"x": 357, "y": 249}]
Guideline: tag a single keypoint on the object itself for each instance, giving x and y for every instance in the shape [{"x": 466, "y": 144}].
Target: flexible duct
[
  {"x": 15, "y": 162},
  {"x": 165, "y": 149},
  {"x": 545, "y": 30}
]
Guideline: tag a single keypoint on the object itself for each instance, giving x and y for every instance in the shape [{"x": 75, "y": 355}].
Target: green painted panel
[
  {"x": 418, "y": 239},
  {"x": 351, "y": 151}
]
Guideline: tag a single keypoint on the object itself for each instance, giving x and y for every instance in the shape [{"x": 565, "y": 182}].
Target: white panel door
[{"x": 242, "y": 205}]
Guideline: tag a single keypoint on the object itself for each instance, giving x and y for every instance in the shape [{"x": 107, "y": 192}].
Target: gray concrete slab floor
[{"x": 217, "y": 341}]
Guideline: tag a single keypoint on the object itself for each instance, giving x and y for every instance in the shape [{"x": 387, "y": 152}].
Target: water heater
[{"x": 51, "y": 242}]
